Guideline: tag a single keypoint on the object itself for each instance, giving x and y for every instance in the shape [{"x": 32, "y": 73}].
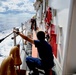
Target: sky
[{"x": 16, "y": 6}]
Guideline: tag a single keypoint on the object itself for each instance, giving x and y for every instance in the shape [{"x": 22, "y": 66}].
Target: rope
[{"x": 5, "y": 37}]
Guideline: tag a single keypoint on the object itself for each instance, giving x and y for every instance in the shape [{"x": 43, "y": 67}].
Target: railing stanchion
[
  {"x": 22, "y": 39},
  {"x": 14, "y": 37}
]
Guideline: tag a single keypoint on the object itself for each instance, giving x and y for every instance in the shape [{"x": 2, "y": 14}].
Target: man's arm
[{"x": 24, "y": 37}]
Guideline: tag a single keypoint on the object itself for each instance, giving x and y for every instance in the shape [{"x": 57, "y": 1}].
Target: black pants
[{"x": 33, "y": 26}]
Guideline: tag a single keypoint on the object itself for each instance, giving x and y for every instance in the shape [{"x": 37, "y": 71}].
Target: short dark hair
[{"x": 41, "y": 35}]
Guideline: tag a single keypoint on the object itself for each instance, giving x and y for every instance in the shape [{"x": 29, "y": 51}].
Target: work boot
[{"x": 35, "y": 72}]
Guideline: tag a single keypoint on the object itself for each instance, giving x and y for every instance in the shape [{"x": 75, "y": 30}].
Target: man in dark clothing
[
  {"x": 45, "y": 62},
  {"x": 33, "y": 24}
]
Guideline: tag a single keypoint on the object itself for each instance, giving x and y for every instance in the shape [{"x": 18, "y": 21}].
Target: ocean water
[
  {"x": 10, "y": 20},
  {"x": 7, "y": 22}
]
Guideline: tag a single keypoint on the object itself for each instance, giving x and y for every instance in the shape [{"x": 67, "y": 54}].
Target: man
[
  {"x": 33, "y": 24},
  {"x": 45, "y": 60}
]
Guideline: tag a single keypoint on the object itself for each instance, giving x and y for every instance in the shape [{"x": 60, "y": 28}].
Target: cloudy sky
[{"x": 16, "y": 6}]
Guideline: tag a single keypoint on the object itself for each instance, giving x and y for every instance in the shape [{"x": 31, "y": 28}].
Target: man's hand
[
  {"x": 23, "y": 36},
  {"x": 16, "y": 31}
]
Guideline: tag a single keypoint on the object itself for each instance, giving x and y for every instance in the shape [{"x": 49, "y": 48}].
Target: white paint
[{"x": 59, "y": 4}]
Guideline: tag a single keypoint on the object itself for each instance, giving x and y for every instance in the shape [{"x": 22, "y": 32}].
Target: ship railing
[{"x": 25, "y": 46}]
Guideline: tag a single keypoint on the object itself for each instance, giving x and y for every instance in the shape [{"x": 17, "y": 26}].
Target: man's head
[{"x": 41, "y": 35}]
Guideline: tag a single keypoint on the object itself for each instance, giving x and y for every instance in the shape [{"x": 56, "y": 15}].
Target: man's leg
[{"x": 33, "y": 63}]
